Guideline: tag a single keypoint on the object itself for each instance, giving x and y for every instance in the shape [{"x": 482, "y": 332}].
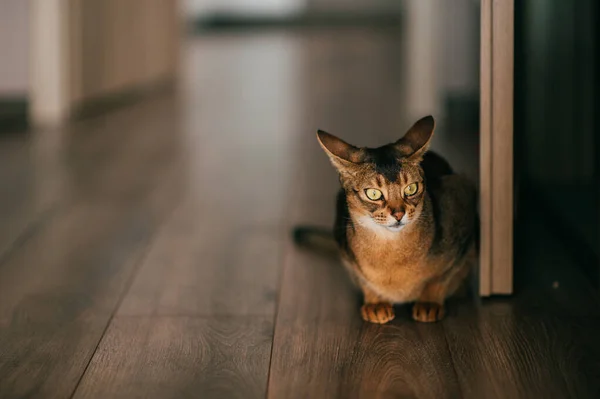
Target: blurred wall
[
  {"x": 118, "y": 45},
  {"x": 87, "y": 51},
  {"x": 441, "y": 51},
  {"x": 458, "y": 40},
  {"x": 14, "y": 48}
]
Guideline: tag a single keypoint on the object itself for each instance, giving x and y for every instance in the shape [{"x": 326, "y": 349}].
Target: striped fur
[{"x": 403, "y": 248}]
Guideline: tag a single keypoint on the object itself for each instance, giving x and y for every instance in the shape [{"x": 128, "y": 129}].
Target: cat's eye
[
  {"x": 411, "y": 189},
  {"x": 373, "y": 194}
]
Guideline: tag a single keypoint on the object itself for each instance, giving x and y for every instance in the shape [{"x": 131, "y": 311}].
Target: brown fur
[{"x": 400, "y": 249}]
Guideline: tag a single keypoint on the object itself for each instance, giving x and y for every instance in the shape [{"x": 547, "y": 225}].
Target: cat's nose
[{"x": 398, "y": 215}]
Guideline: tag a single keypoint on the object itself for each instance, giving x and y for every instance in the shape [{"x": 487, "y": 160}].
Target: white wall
[{"x": 14, "y": 48}]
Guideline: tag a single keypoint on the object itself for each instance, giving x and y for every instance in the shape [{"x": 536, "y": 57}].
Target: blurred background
[
  {"x": 557, "y": 142},
  {"x": 154, "y": 155},
  {"x": 59, "y": 56},
  {"x": 320, "y": 61},
  {"x": 252, "y": 79}
]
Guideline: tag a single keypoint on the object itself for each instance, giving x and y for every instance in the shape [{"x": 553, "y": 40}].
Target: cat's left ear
[{"x": 415, "y": 142}]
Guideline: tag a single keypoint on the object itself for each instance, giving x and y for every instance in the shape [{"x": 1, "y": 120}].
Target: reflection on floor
[{"x": 146, "y": 253}]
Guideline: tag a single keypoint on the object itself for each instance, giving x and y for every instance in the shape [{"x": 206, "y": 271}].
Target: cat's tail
[{"x": 315, "y": 238}]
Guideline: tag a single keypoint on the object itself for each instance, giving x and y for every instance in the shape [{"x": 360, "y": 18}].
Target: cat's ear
[
  {"x": 345, "y": 157},
  {"x": 415, "y": 142}
]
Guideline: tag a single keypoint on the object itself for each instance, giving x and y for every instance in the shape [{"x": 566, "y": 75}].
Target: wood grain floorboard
[
  {"x": 166, "y": 268},
  {"x": 205, "y": 264},
  {"x": 220, "y": 252},
  {"x": 211, "y": 277},
  {"x": 181, "y": 357},
  {"x": 60, "y": 288},
  {"x": 323, "y": 349},
  {"x": 22, "y": 211},
  {"x": 539, "y": 343}
]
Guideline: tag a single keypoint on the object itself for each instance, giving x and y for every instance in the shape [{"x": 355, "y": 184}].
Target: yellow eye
[
  {"x": 411, "y": 189},
  {"x": 373, "y": 194}
]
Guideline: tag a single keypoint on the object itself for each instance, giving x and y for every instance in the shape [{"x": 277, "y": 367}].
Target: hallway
[{"x": 146, "y": 253}]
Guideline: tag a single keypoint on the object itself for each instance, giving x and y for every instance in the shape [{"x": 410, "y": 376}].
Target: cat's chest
[
  {"x": 396, "y": 270},
  {"x": 384, "y": 254},
  {"x": 388, "y": 262}
]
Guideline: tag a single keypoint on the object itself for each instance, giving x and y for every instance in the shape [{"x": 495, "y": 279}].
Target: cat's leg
[
  {"x": 430, "y": 305},
  {"x": 375, "y": 309}
]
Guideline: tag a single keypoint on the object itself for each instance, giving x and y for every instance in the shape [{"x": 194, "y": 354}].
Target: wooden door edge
[{"x": 496, "y": 148}]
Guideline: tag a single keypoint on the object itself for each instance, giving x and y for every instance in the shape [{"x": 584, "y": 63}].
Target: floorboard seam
[
  {"x": 110, "y": 319},
  {"x": 284, "y": 261},
  {"x": 136, "y": 268},
  {"x": 460, "y": 388},
  {"x": 29, "y": 231}
]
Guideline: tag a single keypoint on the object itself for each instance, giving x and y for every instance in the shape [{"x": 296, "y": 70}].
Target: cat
[{"x": 406, "y": 225}]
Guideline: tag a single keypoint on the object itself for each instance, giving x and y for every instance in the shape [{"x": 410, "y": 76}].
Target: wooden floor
[{"x": 146, "y": 253}]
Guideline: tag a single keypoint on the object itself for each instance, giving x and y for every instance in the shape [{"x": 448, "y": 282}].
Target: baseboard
[
  {"x": 14, "y": 113},
  {"x": 226, "y": 21},
  {"x": 109, "y": 102}
]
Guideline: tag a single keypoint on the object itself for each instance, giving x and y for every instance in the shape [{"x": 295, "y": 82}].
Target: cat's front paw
[
  {"x": 428, "y": 312},
  {"x": 379, "y": 313}
]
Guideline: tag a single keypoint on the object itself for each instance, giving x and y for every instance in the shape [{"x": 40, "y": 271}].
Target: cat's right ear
[{"x": 343, "y": 156}]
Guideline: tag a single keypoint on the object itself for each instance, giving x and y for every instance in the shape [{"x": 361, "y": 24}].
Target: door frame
[{"x": 496, "y": 147}]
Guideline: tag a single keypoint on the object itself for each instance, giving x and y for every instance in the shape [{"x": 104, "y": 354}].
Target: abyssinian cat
[{"x": 406, "y": 224}]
